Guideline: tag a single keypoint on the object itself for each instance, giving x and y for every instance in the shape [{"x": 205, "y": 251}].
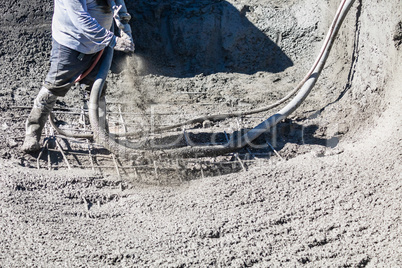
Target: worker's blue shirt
[{"x": 82, "y": 25}]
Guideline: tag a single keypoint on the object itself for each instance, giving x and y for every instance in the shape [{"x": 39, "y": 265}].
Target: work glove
[{"x": 124, "y": 44}]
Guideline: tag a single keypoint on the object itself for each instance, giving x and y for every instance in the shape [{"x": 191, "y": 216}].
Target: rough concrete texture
[{"x": 335, "y": 199}]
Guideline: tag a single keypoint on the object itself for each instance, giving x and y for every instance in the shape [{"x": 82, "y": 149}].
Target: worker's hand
[{"x": 124, "y": 44}]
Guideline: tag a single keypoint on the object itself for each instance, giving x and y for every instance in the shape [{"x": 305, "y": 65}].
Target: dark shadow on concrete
[
  {"x": 186, "y": 38},
  {"x": 289, "y": 131}
]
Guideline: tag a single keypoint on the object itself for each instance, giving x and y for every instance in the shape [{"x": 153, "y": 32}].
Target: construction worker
[{"x": 80, "y": 30}]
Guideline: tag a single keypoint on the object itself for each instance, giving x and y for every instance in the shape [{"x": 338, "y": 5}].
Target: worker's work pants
[{"x": 66, "y": 65}]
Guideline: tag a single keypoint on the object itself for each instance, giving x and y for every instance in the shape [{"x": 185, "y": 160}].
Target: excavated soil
[{"x": 333, "y": 200}]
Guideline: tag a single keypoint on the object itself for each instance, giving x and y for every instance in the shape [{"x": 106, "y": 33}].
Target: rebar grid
[{"x": 60, "y": 152}]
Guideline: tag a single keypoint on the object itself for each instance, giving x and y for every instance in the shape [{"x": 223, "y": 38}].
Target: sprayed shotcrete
[{"x": 131, "y": 150}]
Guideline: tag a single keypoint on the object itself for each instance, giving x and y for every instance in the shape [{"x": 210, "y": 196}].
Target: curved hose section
[
  {"x": 308, "y": 84},
  {"x": 128, "y": 149},
  {"x": 100, "y": 135}
]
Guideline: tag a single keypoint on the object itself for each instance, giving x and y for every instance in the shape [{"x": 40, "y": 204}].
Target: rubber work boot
[{"x": 41, "y": 109}]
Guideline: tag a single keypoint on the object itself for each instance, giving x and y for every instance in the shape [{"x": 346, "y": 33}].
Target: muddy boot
[{"x": 43, "y": 105}]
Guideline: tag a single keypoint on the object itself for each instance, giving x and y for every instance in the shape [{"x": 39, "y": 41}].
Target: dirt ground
[{"x": 333, "y": 199}]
